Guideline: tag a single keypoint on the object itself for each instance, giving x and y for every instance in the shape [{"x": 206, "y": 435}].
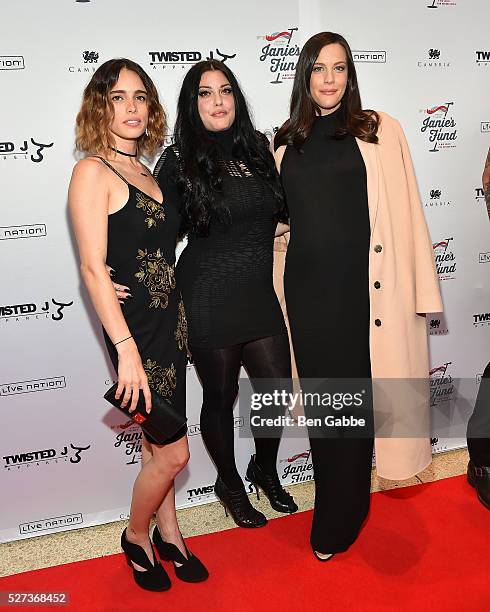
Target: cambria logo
[
  {"x": 438, "y": 126},
  {"x": 445, "y": 259},
  {"x": 435, "y": 200},
  {"x": 90, "y": 57},
  {"x": 12, "y": 62},
  {"x": 437, "y": 325},
  {"x": 12, "y": 232},
  {"x": 18, "y": 312},
  {"x": 433, "y": 60},
  {"x": 9, "y": 150},
  {"x": 69, "y": 453},
  {"x": 163, "y": 59},
  {"x": 280, "y": 55}
]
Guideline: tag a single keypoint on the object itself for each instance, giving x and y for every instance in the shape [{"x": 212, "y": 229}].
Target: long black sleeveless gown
[
  {"x": 141, "y": 250},
  {"x": 327, "y": 299}
]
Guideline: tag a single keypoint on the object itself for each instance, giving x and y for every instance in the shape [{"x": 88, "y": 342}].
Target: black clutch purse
[{"x": 160, "y": 425}]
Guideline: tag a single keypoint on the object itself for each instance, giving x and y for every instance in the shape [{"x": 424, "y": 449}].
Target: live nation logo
[
  {"x": 52, "y": 309},
  {"x": 12, "y": 62},
  {"x": 434, "y": 4},
  {"x": 27, "y": 149},
  {"x": 56, "y": 522},
  {"x": 439, "y": 126},
  {"x": 32, "y": 386},
  {"x": 162, "y": 60},
  {"x": 195, "y": 430},
  {"x": 12, "y": 232},
  {"x": 87, "y": 65},
  {"x": 369, "y": 57},
  {"x": 436, "y": 199},
  {"x": 445, "y": 259},
  {"x": 484, "y": 127},
  {"x": 297, "y": 468},
  {"x": 433, "y": 59},
  {"x": 482, "y": 58},
  {"x": 280, "y": 54},
  {"x": 70, "y": 453},
  {"x": 441, "y": 384}
]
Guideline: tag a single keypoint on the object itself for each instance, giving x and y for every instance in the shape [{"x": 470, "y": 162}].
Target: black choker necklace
[{"x": 123, "y": 153}]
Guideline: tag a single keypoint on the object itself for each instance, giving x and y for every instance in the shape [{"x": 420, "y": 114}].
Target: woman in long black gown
[{"x": 326, "y": 274}]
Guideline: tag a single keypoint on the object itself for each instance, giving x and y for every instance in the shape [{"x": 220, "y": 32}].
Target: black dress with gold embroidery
[{"x": 141, "y": 250}]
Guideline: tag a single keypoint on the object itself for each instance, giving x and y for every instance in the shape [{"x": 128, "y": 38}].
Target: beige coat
[{"x": 401, "y": 261}]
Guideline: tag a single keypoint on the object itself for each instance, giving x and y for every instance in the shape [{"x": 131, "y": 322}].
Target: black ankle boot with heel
[
  {"x": 278, "y": 497},
  {"x": 154, "y": 578},
  {"x": 239, "y": 506},
  {"x": 191, "y": 569}
]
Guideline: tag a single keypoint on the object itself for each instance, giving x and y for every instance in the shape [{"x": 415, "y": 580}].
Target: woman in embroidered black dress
[
  {"x": 220, "y": 174},
  {"x": 121, "y": 221}
]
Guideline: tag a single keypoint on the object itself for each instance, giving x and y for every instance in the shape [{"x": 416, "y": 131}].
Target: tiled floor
[{"x": 80, "y": 544}]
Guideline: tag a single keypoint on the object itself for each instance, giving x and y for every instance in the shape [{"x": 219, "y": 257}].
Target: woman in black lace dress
[
  {"x": 221, "y": 176},
  {"x": 121, "y": 220}
]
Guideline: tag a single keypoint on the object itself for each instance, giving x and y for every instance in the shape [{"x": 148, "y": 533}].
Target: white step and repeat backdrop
[{"x": 67, "y": 460}]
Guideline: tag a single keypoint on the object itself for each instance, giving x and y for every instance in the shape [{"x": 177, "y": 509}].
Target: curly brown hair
[{"x": 93, "y": 122}]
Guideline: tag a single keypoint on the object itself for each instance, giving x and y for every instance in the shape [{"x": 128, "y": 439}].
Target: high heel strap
[{"x": 136, "y": 553}]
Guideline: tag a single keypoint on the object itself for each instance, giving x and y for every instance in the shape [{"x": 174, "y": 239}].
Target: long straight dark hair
[
  {"x": 200, "y": 180},
  {"x": 303, "y": 109}
]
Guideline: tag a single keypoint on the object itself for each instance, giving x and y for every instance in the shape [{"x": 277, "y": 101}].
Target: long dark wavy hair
[
  {"x": 362, "y": 124},
  {"x": 200, "y": 180}
]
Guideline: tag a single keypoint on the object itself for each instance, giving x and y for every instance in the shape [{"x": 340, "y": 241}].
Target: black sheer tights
[{"x": 218, "y": 370}]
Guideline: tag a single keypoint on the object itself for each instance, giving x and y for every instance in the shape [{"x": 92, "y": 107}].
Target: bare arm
[
  {"x": 486, "y": 173},
  {"x": 88, "y": 197}
]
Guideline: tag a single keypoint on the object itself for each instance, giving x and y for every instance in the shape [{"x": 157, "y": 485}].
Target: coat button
[
  {"x": 377, "y": 322},
  {"x": 378, "y": 248},
  {"x": 377, "y": 285}
]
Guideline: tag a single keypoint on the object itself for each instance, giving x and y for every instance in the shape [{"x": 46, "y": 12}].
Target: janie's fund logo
[
  {"x": 297, "y": 468},
  {"x": 439, "y": 126},
  {"x": 441, "y": 384},
  {"x": 445, "y": 259},
  {"x": 280, "y": 54}
]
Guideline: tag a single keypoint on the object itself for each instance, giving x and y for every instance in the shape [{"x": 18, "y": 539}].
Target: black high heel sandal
[
  {"x": 155, "y": 578},
  {"x": 321, "y": 559},
  {"x": 191, "y": 568},
  {"x": 278, "y": 497},
  {"x": 237, "y": 502}
]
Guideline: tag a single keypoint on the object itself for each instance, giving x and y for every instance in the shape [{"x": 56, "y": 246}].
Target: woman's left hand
[{"x": 122, "y": 292}]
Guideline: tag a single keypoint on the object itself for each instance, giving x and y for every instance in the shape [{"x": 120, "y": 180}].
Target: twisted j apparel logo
[
  {"x": 52, "y": 309},
  {"x": 182, "y": 59},
  {"x": 33, "y": 150}
]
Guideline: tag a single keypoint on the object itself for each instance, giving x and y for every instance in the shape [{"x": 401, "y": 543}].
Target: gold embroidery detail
[
  {"x": 157, "y": 275},
  {"x": 181, "y": 331},
  {"x": 153, "y": 209},
  {"x": 162, "y": 380}
]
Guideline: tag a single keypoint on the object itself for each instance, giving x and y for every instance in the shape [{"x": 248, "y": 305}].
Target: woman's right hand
[{"x": 131, "y": 376}]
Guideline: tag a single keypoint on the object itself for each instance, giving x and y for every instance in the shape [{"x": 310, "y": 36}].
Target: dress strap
[{"x": 112, "y": 168}]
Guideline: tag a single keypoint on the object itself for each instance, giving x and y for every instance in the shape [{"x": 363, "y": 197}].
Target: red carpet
[{"x": 423, "y": 548}]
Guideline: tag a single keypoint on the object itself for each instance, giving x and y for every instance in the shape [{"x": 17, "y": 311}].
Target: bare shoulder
[
  {"x": 88, "y": 168},
  {"x": 278, "y": 154}
]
